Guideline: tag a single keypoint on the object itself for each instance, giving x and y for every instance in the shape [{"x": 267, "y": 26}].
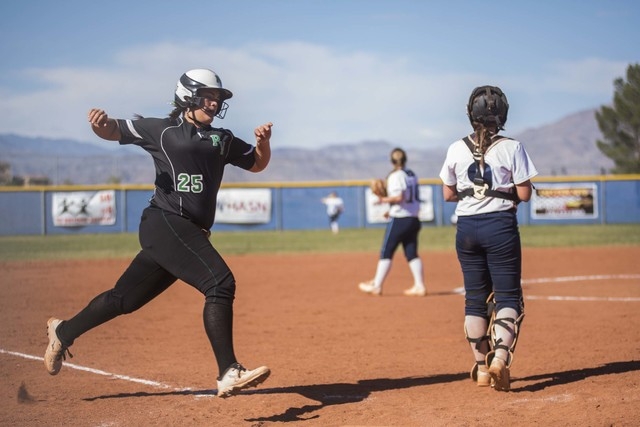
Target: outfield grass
[{"x": 92, "y": 246}]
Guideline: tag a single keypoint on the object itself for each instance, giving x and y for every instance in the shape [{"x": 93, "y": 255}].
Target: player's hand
[
  {"x": 98, "y": 117},
  {"x": 263, "y": 133},
  {"x": 103, "y": 126}
]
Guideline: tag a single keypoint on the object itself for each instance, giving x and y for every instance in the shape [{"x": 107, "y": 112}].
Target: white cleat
[
  {"x": 416, "y": 291},
  {"x": 370, "y": 288},
  {"x": 238, "y": 378},
  {"x": 55, "y": 352}
]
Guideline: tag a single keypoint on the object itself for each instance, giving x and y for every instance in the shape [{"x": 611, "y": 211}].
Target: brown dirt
[{"x": 338, "y": 357}]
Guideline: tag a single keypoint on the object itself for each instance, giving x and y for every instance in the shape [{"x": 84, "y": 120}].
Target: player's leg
[
  {"x": 142, "y": 281},
  {"x": 194, "y": 260},
  {"x": 333, "y": 223},
  {"x": 475, "y": 330},
  {"x": 390, "y": 242},
  {"x": 477, "y": 285},
  {"x": 410, "y": 245},
  {"x": 505, "y": 263}
]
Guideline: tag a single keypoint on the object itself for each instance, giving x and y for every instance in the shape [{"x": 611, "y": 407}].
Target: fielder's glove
[{"x": 378, "y": 187}]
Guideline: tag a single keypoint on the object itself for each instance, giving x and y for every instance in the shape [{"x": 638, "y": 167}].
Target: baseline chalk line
[{"x": 154, "y": 384}]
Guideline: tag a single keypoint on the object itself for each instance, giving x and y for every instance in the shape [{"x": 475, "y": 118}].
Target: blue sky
[{"x": 323, "y": 72}]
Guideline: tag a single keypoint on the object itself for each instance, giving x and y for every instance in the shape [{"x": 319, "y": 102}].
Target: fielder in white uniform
[
  {"x": 335, "y": 207},
  {"x": 404, "y": 227}
]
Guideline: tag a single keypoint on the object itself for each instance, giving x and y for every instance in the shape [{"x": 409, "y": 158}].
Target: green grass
[{"x": 92, "y": 246}]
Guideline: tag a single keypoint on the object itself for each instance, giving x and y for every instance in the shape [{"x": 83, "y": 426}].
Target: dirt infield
[{"x": 338, "y": 357}]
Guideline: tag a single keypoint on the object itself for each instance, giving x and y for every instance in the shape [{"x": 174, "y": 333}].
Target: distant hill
[{"x": 566, "y": 147}]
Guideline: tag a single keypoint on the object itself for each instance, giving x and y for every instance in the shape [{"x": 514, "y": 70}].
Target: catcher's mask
[
  {"x": 488, "y": 105},
  {"x": 192, "y": 81}
]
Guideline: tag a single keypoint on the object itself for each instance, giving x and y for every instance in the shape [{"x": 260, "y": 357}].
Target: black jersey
[{"x": 189, "y": 163}]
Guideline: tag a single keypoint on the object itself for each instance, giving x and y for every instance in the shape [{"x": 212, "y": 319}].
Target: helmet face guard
[
  {"x": 186, "y": 94},
  {"x": 488, "y": 106}
]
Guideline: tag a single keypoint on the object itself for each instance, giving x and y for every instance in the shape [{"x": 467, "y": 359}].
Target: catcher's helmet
[
  {"x": 488, "y": 105},
  {"x": 190, "y": 82}
]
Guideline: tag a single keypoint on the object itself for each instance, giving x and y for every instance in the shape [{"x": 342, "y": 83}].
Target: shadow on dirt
[
  {"x": 342, "y": 393},
  {"x": 324, "y": 394},
  {"x": 566, "y": 377}
]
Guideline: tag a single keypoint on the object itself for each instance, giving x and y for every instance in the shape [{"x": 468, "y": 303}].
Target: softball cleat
[
  {"x": 416, "y": 291},
  {"x": 500, "y": 376},
  {"x": 370, "y": 288},
  {"x": 55, "y": 352},
  {"x": 237, "y": 378}
]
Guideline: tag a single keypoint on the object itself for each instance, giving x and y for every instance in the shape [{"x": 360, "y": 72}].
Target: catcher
[
  {"x": 488, "y": 175},
  {"x": 401, "y": 191}
]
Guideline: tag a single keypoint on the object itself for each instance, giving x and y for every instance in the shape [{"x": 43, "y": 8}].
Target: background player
[
  {"x": 403, "y": 228},
  {"x": 335, "y": 207},
  {"x": 189, "y": 157},
  {"x": 488, "y": 175}
]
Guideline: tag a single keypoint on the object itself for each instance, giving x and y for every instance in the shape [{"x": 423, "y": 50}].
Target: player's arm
[
  {"x": 450, "y": 193},
  {"x": 103, "y": 126},
  {"x": 262, "y": 153},
  {"x": 524, "y": 191},
  {"x": 392, "y": 199}
]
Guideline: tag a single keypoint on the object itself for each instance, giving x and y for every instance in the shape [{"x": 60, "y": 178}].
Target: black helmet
[{"x": 488, "y": 105}]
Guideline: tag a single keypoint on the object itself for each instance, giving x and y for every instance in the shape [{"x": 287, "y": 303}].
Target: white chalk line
[
  {"x": 154, "y": 384},
  {"x": 581, "y": 278},
  {"x": 460, "y": 290}
]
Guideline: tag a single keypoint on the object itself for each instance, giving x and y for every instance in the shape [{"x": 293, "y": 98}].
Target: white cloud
[
  {"x": 592, "y": 76},
  {"x": 314, "y": 95}
]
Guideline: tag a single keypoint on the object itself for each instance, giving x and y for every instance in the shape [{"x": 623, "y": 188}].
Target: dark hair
[
  {"x": 398, "y": 157},
  {"x": 176, "y": 112}
]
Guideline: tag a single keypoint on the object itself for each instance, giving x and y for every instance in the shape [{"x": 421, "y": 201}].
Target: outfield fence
[{"x": 45, "y": 210}]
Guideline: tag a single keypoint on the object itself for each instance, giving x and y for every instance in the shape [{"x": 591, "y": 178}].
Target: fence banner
[
  {"x": 375, "y": 213},
  {"x": 243, "y": 206},
  {"x": 79, "y": 208},
  {"x": 565, "y": 201}
]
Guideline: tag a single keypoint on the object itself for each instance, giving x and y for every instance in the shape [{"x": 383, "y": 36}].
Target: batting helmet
[
  {"x": 190, "y": 82},
  {"x": 488, "y": 105}
]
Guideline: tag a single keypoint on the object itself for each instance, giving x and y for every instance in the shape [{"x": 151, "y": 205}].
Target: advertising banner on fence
[
  {"x": 375, "y": 213},
  {"x": 565, "y": 201},
  {"x": 243, "y": 206},
  {"x": 78, "y": 208}
]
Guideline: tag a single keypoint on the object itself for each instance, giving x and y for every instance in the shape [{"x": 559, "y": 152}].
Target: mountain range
[{"x": 565, "y": 147}]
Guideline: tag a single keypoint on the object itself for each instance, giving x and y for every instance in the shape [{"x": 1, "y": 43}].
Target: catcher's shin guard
[
  {"x": 499, "y": 369},
  {"x": 508, "y": 323},
  {"x": 480, "y": 371}
]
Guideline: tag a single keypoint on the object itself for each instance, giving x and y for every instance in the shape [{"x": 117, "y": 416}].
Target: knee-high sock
[
  {"x": 384, "y": 265},
  {"x": 415, "y": 265},
  {"x": 218, "y": 323},
  {"x": 476, "y": 327},
  {"x": 505, "y": 335},
  {"x": 101, "y": 309}
]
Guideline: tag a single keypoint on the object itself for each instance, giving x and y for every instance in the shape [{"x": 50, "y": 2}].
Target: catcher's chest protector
[{"x": 481, "y": 188}]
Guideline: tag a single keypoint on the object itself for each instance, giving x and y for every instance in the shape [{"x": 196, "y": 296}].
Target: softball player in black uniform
[
  {"x": 488, "y": 175},
  {"x": 189, "y": 157}
]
